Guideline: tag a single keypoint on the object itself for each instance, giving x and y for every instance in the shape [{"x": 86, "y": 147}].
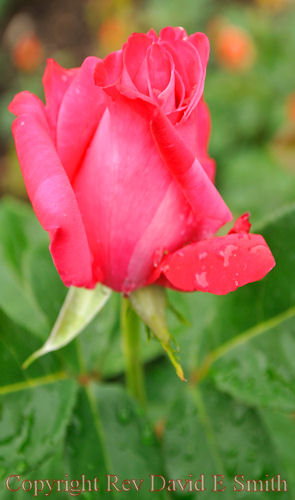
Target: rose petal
[
  {"x": 218, "y": 265},
  {"x": 80, "y": 111},
  {"x": 53, "y": 200},
  {"x": 125, "y": 196},
  {"x": 195, "y": 132},
  {"x": 201, "y": 43},
  {"x": 171, "y": 34},
  {"x": 108, "y": 71},
  {"x": 206, "y": 202},
  {"x": 135, "y": 65},
  {"x": 152, "y": 34},
  {"x": 161, "y": 76},
  {"x": 242, "y": 224},
  {"x": 55, "y": 81},
  {"x": 27, "y": 103},
  {"x": 159, "y": 67}
]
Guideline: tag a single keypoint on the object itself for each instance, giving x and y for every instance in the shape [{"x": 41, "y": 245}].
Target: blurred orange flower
[
  {"x": 28, "y": 53},
  {"x": 234, "y": 48},
  {"x": 290, "y": 107}
]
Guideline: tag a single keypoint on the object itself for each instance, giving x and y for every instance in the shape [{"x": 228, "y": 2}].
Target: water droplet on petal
[
  {"x": 64, "y": 78},
  {"x": 228, "y": 252},
  {"x": 190, "y": 219},
  {"x": 201, "y": 279},
  {"x": 203, "y": 255},
  {"x": 258, "y": 249},
  {"x": 158, "y": 255}
]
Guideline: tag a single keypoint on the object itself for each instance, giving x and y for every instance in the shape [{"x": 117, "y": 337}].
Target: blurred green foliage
[{"x": 69, "y": 412}]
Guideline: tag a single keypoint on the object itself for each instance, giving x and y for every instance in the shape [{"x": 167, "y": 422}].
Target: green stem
[{"x": 130, "y": 326}]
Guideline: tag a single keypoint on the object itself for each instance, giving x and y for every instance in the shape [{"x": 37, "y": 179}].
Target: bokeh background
[
  {"x": 70, "y": 413},
  {"x": 250, "y": 86}
]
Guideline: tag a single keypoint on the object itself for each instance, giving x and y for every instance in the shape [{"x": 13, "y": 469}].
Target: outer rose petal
[
  {"x": 128, "y": 198},
  {"x": 80, "y": 111},
  {"x": 56, "y": 80},
  {"x": 53, "y": 200},
  {"x": 28, "y": 103},
  {"x": 201, "y": 43},
  {"x": 108, "y": 71},
  {"x": 242, "y": 224},
  {"x": 217, "y": 265},
  {"x": 195, "y": 133},
  {"x": 206, "y": 202},
  {"x": 171, "y": 34}
]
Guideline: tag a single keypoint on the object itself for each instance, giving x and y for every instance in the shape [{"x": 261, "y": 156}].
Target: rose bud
[{"x": 117, "y": 170}]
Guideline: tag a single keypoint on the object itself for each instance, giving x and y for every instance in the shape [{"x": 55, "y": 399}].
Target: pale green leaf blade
[{"x": 79, "y": 308}]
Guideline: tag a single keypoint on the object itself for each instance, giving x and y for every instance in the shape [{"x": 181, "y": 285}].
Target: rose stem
[{"x": 130, "y": 329}]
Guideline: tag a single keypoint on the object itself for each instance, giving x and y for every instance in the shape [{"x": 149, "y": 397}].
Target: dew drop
[
  {"x": 226, "y": 253},
  {"x": 203, "y": 255},
  {"x": 147, "y": 435},
  {"x": 188, "y": 456},
  {"x": 190, "y": 219},
  {"x": 64, "y": 78},
  {"x": 258, "y": 249},
  {"x": 76, "y": 424},
  {"x": 157, "y": 257},
  {"x": 21, "y": 467},
  {"x": 201, "y": 279},
  {"x": 124, "y": 415},
  {"x": 22, "y": 124},
  {"x": 232, "y": 453}
]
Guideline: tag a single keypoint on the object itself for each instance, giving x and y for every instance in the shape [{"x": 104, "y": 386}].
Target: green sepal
[
  {"x": 150, "y": 304},
  {"x": 79, "y": 308}
]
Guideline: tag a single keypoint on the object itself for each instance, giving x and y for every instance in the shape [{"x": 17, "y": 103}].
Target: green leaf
[
  {"x": 251, "y": 168},
  {"x": 281, "y": 428},
  {"x": 208, "y": 432},
  {"x": 150, "y": 304},
  {"x": 79, "y": 308},
  {"x": 54, "y": 467},
  {"x": 110, "y": 435},
  {"x": 35, "y": 406},
  {"x": 252, "y": 334},
  {"x": 19, "y": 231}
]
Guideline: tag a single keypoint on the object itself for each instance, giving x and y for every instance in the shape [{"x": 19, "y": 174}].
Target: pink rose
[{"x": 117, "y": 170}]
